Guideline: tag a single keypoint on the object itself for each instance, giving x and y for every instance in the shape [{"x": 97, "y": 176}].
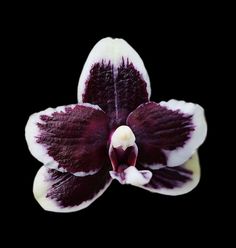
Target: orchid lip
[
  {"x": 123, "y": 150},
  {"x": 132, "y": 176},
  {"x": 123, "y": 154},
  {"x": 122, "y": 159}
]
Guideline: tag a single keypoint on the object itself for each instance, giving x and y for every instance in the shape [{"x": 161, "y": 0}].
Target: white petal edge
[
  {"x": 38, "y": 150},
  {"x": 193, "y": 165},
  {"x": 182, "y": 154},
  {"x": 109, "y": 49},
  {"x": 42, "y": 185}
]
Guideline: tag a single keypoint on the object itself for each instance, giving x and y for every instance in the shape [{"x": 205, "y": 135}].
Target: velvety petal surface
[
  {"x": 167, "y": 133},
  {"x": 114, "y": 77},
  {"x": 63, "y": 192},
  {"x": 69, "y": 138},
  {"x": 175, "y": 180}
]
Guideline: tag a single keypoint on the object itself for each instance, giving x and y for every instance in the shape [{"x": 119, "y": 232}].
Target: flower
[{"x": 114, "y": 132}]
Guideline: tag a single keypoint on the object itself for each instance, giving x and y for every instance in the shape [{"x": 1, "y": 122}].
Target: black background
[{"x": 49, "y": 51}]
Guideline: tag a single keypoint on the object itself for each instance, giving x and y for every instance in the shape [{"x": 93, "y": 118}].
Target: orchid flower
[{"x": 114, "y": 132}]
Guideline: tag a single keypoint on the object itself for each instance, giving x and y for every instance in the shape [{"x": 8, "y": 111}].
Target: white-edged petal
[
  {"x": 167, "y": 133},
  {"x": 192, "y": 165},
  {"x": 181, "y": 154},
  {"x": 43, "y": 184},
  {"x": 52, "y": 136},
  {"x": 113, "y": 51}
]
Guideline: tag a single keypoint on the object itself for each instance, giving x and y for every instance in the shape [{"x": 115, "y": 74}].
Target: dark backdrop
[{"x": 179, "y": 55}]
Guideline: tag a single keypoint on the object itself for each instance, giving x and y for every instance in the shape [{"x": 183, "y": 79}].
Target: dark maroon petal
[
  {"x": 71, "y": 139},
  {"x": 63, "y": 192},
  {"x": 116, "y": 81},
  {"x": 175, "y": 180},
  {"x": 167, "y": 133},
  {"x": 116, "y": 95}
]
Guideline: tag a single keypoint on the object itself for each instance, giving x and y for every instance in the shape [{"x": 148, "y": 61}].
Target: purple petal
[
  {"x": 175, "y": 180},
  {"x": 167, "y": 133},
  {"x": 114, "y": 78},
  {"x": 64, "y": 192},
  {"x": 69, "y": 138}
]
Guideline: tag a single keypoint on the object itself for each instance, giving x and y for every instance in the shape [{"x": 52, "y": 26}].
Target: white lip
[{"x": 133, "y": 176}]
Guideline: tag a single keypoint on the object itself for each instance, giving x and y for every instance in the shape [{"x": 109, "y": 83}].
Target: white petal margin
[
  {"x": 32, "y": 132},
  {"x": 113, "y": 50},
  {"x": 194, "y": 166},
  {"x": 182, "y": 154},
  {"x": 41, "y": 186}
]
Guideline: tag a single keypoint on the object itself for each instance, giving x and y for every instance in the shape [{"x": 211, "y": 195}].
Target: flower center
[
  {"x": 123, "y": 153},
  {"x": 123, "y": 137}
]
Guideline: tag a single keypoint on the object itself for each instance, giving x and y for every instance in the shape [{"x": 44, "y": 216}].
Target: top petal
[{"x": 114, "y": 77}]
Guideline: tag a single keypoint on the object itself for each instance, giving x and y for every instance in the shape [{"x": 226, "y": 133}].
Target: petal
[
  {"x": 175, "y": 180},
  {"x": 114, "y": 77},
  {"x": 167, "y": 133},
  {"x": 69, "y": 138},
  {"x": 63, "y": 192}
]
